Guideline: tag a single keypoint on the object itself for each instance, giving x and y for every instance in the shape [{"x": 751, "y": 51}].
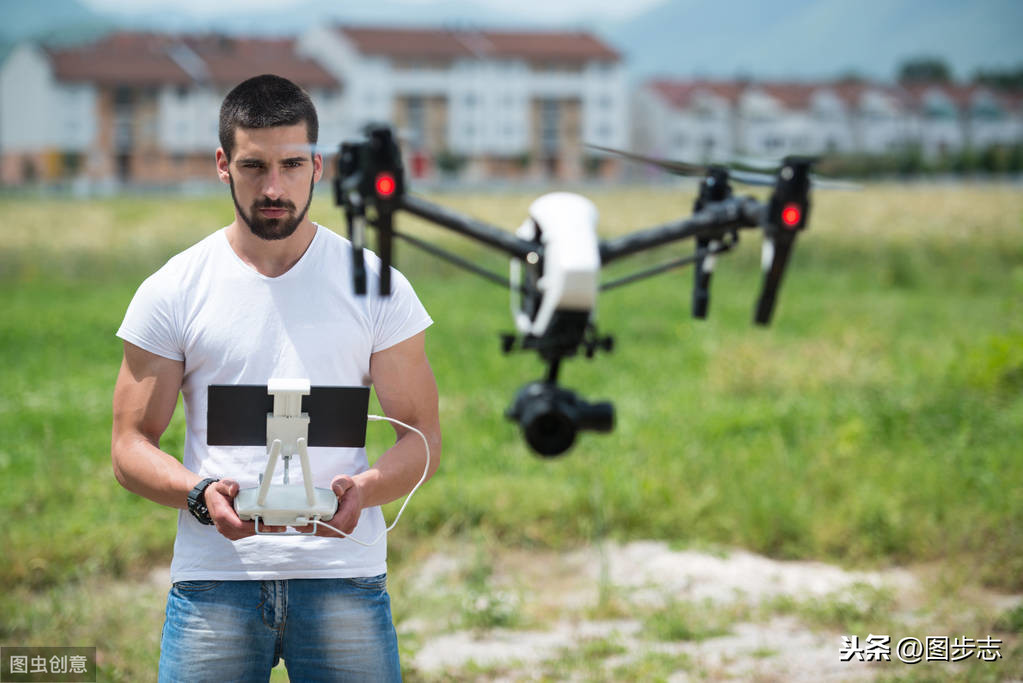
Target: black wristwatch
[{"x": 197, "y": 501}]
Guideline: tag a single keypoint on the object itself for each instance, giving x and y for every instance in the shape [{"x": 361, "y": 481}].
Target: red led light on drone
[
  {"x": 385, "y": 185},
  {"x": 791, "y": 215}
]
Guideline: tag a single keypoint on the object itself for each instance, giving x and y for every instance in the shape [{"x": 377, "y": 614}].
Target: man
[{"x": 268, "y": 296}]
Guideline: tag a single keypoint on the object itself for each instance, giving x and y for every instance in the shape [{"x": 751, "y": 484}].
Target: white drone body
[
  {"x": 287, "y": 435},
  {"x": 566, "y": 225}
]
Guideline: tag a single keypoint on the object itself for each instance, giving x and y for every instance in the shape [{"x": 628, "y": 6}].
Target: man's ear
[
  {"x": 223, "y": 172},
  {"x": 317, "y": 167}
]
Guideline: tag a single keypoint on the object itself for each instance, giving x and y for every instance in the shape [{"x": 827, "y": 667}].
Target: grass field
[{"x": 879, "y": 421}]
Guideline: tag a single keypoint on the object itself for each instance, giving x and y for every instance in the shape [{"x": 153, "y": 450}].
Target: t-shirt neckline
[{"x": 295, "y": 268}]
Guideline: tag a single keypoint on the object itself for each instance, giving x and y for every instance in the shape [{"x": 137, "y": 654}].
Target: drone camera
[{"x": 550, "y": 417}]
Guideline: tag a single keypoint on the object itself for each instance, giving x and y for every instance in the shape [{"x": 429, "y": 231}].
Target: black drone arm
[
  {"x": 470, "y": 227},
  {"x": 713, "y": 221}
]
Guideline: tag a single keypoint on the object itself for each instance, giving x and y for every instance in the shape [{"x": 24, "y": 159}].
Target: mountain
[
  {"x": 52, "y": 21},
  {"x": 804, "y": 39},
  {"x": 798, "y": 39},
  {"x": 297, "y": 17}
]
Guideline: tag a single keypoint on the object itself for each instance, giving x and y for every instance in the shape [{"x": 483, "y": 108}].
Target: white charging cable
[{"x": 426, "y": 472}]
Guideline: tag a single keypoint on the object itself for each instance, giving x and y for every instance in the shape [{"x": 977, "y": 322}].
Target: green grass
[{"x": 878, "y": 421}]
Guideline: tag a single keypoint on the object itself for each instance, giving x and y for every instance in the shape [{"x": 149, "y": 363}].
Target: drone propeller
[
  {"x": 675, "y": 167},
  {"x": 748, "y": 170},
  {"x": 772, "y": 165},
  {"x": 688, "y": 169}
]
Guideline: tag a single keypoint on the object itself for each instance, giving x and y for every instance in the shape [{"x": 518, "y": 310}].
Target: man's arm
[
  {"x": 145, "y": 396},
  {"x": 407, "y": 391}
]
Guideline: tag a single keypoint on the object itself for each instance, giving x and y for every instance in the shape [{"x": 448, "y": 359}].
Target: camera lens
[{"x": 550, "y": 417}]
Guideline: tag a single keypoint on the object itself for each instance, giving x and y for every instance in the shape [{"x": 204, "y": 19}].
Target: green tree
[
  {"x": 1002, "y": 79},
  {"x": 924, "y": 70}
]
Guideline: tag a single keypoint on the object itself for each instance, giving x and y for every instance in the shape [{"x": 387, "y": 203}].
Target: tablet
[{"x": 236, "y": 415}]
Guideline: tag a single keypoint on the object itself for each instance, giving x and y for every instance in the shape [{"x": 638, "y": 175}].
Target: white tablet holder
[{"x": 231, "y": 410}]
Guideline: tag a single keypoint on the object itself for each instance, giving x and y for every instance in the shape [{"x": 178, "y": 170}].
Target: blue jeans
[{"x": 323, "y": 629}]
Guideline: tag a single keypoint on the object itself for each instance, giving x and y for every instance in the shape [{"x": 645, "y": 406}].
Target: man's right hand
[{"x": 220, "y": 502}]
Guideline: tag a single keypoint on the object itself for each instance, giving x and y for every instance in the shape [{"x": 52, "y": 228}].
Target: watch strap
[{"x": 197, "y": 501}]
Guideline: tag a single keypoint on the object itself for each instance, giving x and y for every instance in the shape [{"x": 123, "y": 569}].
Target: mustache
[{"x": 273, "y": 204}]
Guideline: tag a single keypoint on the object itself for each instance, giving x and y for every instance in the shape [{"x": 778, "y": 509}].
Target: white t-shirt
[{"x": 232, "y": 325}]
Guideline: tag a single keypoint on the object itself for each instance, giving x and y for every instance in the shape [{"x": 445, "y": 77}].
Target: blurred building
[
  {"x": 718, "y": 120},
  {"x": 141, "y": 108},
  {"x": 495, "y": 103},
  {"x": 134, "y": 108}
]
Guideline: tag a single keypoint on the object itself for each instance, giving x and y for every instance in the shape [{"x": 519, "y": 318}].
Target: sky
[{"x": 532, "y": 10}]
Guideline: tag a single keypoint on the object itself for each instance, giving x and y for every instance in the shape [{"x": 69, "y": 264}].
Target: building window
[
  {"x": 549, "y": 123},
  {"x": 71, "y": 163},
  {"x": 416, "y": 119},
  {"x": 123, "y": 164}
]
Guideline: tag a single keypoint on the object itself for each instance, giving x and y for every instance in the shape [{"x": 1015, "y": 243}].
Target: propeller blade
[
  {"x": 676, "y": 167},
  {"x": 751, "y": 178},
  {"x": 833, "y": 183},
  {"x": 749, "y": 162}
]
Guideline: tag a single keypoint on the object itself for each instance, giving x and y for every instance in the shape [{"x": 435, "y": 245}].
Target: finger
[
  {"x": 347, "y": 516},
  {"x": 341, "y": 485},
  {"x": 226, "y": 487}
]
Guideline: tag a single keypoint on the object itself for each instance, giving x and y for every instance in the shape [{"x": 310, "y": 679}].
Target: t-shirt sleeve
[
  {"x": 150, "y": 321},
  {"x": 398, "y": 316}
]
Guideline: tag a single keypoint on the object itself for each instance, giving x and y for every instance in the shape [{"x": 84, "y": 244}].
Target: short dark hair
[{"x": 264, "y": 102}]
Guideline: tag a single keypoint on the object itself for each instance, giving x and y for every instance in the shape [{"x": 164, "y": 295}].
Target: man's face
[{"x": 271, "y": 174}]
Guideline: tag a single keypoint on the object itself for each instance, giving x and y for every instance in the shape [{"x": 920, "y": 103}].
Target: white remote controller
[{"x": 287, "y": 433}]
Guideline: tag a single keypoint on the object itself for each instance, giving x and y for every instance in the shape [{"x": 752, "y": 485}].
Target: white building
[
  {"x": 507, "y": 103},
  {"x": 135, "y": 108},
  {"x": 46, "y": 125},
  {"x": 703, "y": 121},
  {"x": 693, "y": 121}
]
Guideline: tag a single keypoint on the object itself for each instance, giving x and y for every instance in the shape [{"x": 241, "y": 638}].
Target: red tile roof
[
  {"x": 679, "y": 94},
  {"x": 421, "y": 43},
  {"x": 792, "y": 95},
  {"x": 232, "y": 60},
  {"x": 143, "y": 59},
  {"x": 120, "y": 59}
]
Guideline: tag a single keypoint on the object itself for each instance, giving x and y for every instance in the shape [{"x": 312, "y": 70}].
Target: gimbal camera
[{"x": 556, "y": 259}]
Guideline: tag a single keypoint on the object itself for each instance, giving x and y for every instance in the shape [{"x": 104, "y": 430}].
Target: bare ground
[{"x": 642, "y": 611}]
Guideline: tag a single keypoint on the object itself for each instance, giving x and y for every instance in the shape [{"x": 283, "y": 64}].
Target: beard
[{"x": 271, "y": 229}]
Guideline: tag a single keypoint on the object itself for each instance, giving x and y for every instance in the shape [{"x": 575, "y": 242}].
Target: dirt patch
[{"x": 642, "y": 611}]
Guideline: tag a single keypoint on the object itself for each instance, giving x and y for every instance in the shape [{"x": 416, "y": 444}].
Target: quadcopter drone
[{"x": 556, "y": 258}]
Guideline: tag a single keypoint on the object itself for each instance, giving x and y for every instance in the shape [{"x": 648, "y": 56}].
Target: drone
[{"x": 557, "y": 256}]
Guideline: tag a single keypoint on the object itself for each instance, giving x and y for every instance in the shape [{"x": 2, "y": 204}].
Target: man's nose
[{"x": 273, "y": 186}]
